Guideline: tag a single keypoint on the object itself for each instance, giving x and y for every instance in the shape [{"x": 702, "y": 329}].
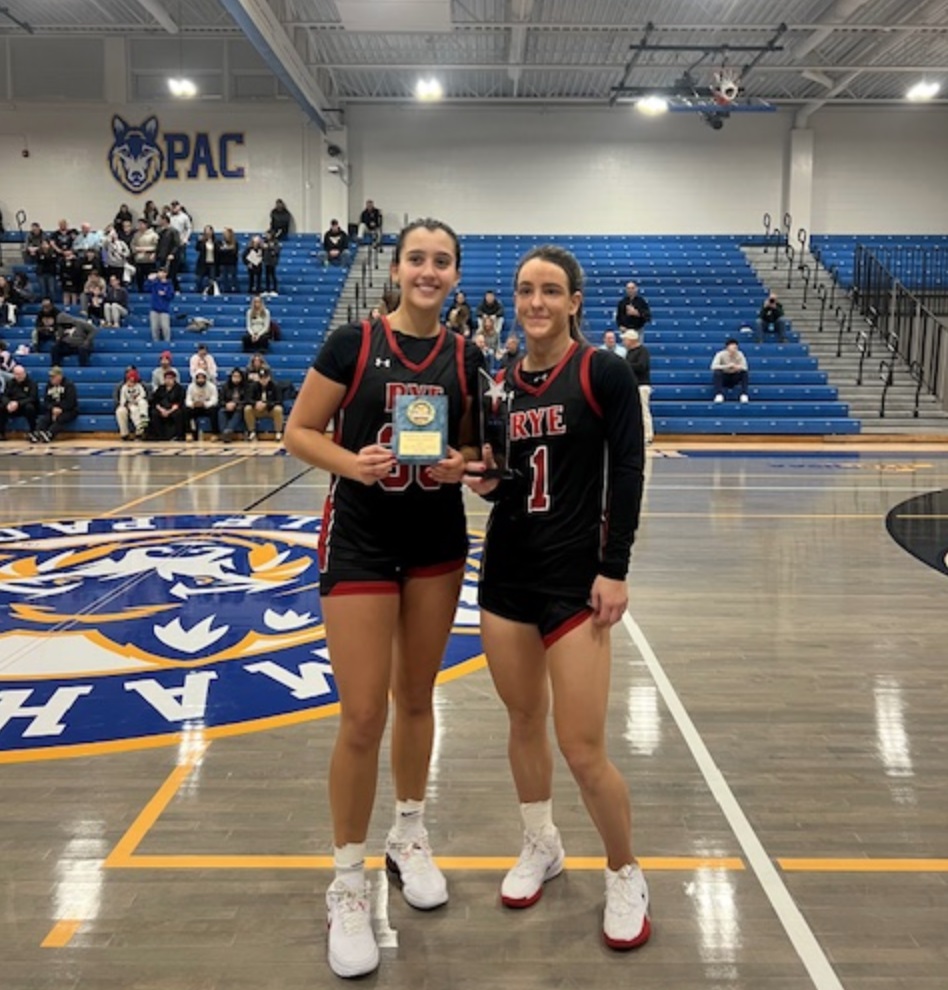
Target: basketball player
[
  {"x": 392, "y": 553},
  {"x": 553, "y": 579}
]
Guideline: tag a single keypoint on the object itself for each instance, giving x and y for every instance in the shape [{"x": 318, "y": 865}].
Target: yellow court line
[
  {"x": 171, "y": 488},
  {"x": 60, "y": 934},
  {"x": 450, "y": 863},
  {"x": 152, "y": 811},
  {"x": 863, "y": 865}
]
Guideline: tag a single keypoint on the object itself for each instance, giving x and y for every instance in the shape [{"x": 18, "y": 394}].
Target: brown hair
[
  {"x": 427, "y": 223},
  {"x": 575, "y": 278}
]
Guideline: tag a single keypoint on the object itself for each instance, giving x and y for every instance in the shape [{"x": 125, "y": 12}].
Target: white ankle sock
[
  {"x": 537, "y": 816},
  {"x": 409, "y": 820},
  {"x": 349, "y": 863}
]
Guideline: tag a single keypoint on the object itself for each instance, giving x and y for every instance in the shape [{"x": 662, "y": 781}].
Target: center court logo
[{"x": 121, "y": 633}]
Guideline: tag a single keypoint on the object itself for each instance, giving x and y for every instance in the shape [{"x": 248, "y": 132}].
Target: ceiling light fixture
[
  {"x": 652, "y": 106},
  {"x": 429, "y": 90},
  {"x": 922, "y": 91},
  {"x": 183, "y": 89}
]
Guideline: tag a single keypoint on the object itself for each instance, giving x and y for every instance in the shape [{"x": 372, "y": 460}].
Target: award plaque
[
  {"x": 495, "y": 403},
  {"x": 420, "y": 428}
]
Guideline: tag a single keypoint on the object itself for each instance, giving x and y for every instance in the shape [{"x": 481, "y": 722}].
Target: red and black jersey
[
  {"x": 569, "y": 445},
  {"x": 370, "y": 518}
]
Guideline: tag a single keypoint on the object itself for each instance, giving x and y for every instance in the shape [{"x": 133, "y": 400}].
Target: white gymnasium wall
[
  {"x": 597, "y": 171},
  {"x": 500, "y": 170},
  {"x": 880, "y": 172},
  {"x": 67, "y": 174}
]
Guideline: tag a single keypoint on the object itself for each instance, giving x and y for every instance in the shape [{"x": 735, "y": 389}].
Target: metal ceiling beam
[
  {"x": 596, "y": 101},
  {"x": 609, "y": 68},
  {"x": 522, "y": 9},
  {"x": 157, "y": 10},
  {"x": 275, "y": 47}
]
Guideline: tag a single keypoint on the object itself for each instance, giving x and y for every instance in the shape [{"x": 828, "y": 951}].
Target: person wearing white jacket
[{"x": 201, "y": 401}]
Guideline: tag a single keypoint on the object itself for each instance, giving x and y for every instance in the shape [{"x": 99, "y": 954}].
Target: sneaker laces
[
  {"x": 535, "y": 846},
  {"x": 352, "y": 910},
  {"x": 415, "y": 854},
  {"x": 625, "y": 895}
]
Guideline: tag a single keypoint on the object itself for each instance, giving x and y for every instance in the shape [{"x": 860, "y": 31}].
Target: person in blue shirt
[{"x": 162, "y": 293}]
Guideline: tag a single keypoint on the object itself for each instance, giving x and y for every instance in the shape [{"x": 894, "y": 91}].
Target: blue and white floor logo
[{"x": 118, "y": 633}]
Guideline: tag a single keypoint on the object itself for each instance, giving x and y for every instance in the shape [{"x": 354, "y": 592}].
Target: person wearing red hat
[
  {"x": 131, "y": 414},
  {"x": 164, "y": 365}
]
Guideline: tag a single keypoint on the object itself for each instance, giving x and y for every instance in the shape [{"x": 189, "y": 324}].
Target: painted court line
[
  {"x": 61, "y": 934},
  {"x": 794, "y": 924}
]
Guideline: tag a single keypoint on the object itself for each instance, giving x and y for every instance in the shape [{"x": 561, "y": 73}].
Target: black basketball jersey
[
  {"x": 552, "y": 522},
  {"x": 382, "y": 373}
]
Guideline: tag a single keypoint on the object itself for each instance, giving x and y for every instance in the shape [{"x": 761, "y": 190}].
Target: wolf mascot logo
[{"x": 135, "y": 159}]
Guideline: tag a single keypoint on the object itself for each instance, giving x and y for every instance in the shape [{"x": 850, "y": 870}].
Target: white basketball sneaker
[
  {"x": 541, "y": 859},
  {"x": 412, "y": 867},
  {"x": 625, "y": 924},
  {"x": 353, "y": 950}
]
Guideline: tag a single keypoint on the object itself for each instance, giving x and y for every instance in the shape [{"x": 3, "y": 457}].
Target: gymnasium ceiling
[{"x": 833, "y": 52}]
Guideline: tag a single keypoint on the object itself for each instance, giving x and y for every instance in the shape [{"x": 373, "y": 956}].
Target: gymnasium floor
[{"x": 779, "y": 709}]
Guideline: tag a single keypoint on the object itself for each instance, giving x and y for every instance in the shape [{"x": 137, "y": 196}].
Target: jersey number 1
[{"x": 539, "y": 500}]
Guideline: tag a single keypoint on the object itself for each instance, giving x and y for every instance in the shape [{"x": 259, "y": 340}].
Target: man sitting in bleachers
[
  {"x": 729, "y": 370},
  {"x": 770, "y": 320},
  {"x": 335, "y": 246},
  {"x": 60, "y": 407},
  {"x": 370, "y": 224},
  {"x": 20, "y": 401}
]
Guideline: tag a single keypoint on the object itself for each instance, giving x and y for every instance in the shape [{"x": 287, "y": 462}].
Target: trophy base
[{"x": 492, "y": 474}]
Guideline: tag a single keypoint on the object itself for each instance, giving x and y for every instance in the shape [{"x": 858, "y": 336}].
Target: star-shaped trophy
[{"x": 495, "y": 403}]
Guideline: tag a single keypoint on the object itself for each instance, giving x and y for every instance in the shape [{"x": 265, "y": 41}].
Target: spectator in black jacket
[
  {"x": 490, "y": 318},
  {"x": 20, "y": 399},
  {"x": 71, "y": 278},
  {"x": 335, "y": 246},
  {"x": 234, "y": 395},
  {"x": 60, "y": 407},
  {"x": 47, "y": 270},
  {"x": 370, "y": 224},
  {"x": 271, "y": 258},
  {"x": 638, "y": 356},
  {"x": 205, "y": 266},
  {"x": 227, "y": 256},
  {"x": 280, "y": 220},
  {"x": 264, "y": 403},
  {"x": 166, "y": 253},
  {"x": 44, "y": 329},
  {"x": 167, "y": 414},
  {"x": 633, "y": 312}
]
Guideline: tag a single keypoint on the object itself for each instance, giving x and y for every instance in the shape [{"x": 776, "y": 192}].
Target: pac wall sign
[{"x": 125, "y": 633}]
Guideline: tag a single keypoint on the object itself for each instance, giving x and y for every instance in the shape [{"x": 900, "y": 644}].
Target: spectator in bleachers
[
  {"x": 183, "y": 226},
  {"x": 20, "y": 401},
  {"x": 257, "y": 337},
  {"x": 44, "y": 328},
  {"x": 62, "y": 237},
  {"x": 488, "y": 355},
  {"x": 271, "y": 260},
  {"x": 280, "y": 220},
  {"x": 7, "y": 364},
  {"x": 233, "y": 398},
  {"x": 122, "y": 214},
  {"x": 201, "y": 403},
  {"x": 131, "y": 410},
  {"x": 637, "y": 355},
  {"x": 253, "y": 261},
  {"x": 633, "y": 312},
  {"x": 90, "y": 263},
  {"x": 167, "y": 413},
  {"x": 150, "y": 213},
  {"x": 93, "y": 296},
  {"x": 47, "y": 270},
  {"x": 206, "y": 261},
  {"x": 370, "y": 224},
  {"x": 729, "y": 369},
  {"x": 7, "y": 306},
  {"x": 33, "y": 243},
  {"x": 115, "y": 253},
  {"x": 460, "y": 319},
  {"x": 73, "y": 336},
  {"x": 511, "y": 353},
  {"x": 87, "y": 240},
  {"x": 125, "y": 233},
  {"x": 263, "y": 403},
  {"x": 335, "y": 250},
  {"x": 490, "y": 318},
  {"x": 164, "y": 366},
  {"x": 22, "y": 290},
  {"x": 144, "y": 251},
  {"x": 71, "y": 278},
  {"x": 203, "y": 360},
  {"x": 162, "y": 293},
  {"x": 255, "y": 366},
  {"x": 770, "y": 319},
  {"x": 611, "y": 344},
  {"x": 227, "y": 256},
  {"x": 60, "y": 407},
  {"x": 166, "y": 251},
  {"x": 116, "y": 303}
]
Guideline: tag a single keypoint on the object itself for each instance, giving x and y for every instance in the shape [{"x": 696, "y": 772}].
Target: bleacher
[
  {"x": 839, "y": 250},
  {"x": 303, "y": 309},
  {"x": 701, "y": 290}
]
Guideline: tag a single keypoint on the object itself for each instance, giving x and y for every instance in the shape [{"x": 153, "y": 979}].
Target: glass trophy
[
  {"x": 495, "y": 403},
  {"x": 420, "y": 429}
]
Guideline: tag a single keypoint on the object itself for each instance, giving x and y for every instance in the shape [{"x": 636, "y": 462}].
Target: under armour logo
[{"x": 379, "y": 362}]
